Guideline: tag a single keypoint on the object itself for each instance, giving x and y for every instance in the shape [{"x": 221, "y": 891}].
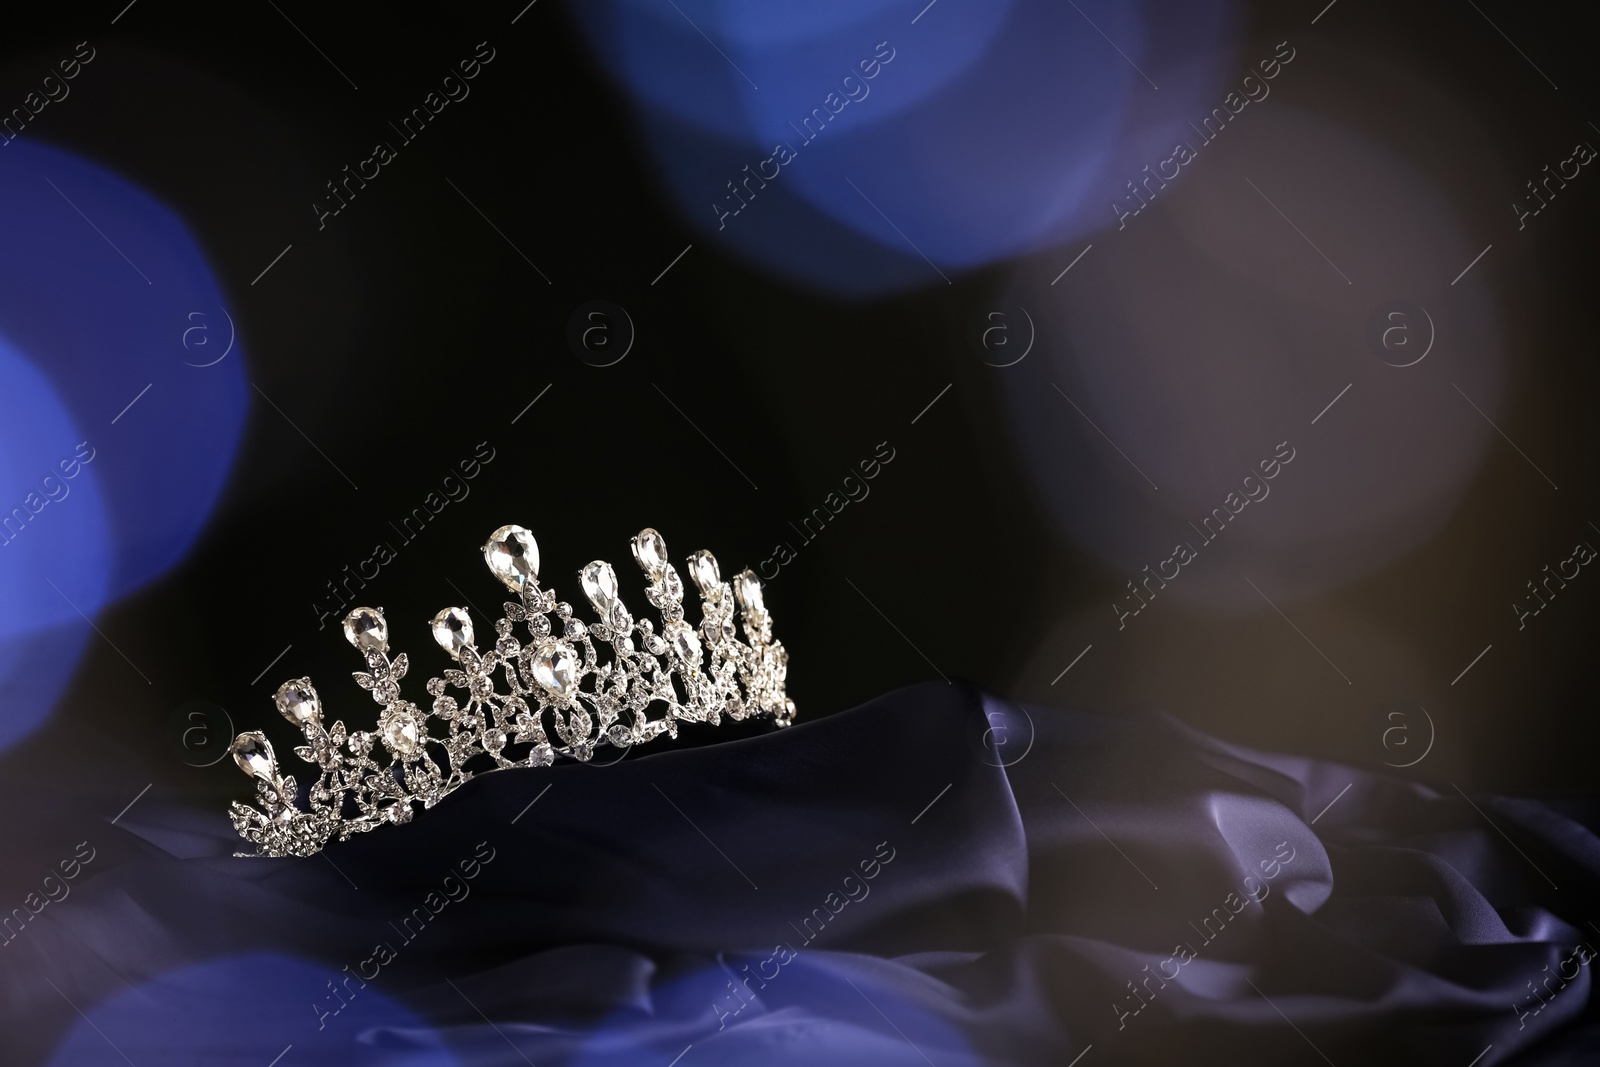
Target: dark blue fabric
[{"x": 1014, "y": 914}]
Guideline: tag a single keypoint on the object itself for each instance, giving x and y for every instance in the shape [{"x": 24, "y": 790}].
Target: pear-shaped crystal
[
  {"x": 452, "y": 628},
  {"x": 684, "y": 642},
  {"x": 400, "y": 734},
  {"x": 707, "y": 576},
  {"x": 747, "y": 588},
  {"x": 513, "y": 556},
  {"x": 600, "y": 586},
  {"x": 651, "y": 553},
  {"x": 556, "y": 668},
  {"x": 298, "y": 702},
  {"x": 364, "y": 628},
  {"x": 253, "y": 753}
]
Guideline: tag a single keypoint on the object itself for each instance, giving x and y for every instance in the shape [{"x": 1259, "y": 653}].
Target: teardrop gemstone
[
  {"x": 747, "y": 588},
  {"x": 513, "y": 556},
  {"x": 401, "y": 735},
  {"x": 556, "y": 668},
  {"x": 707, "y": 576},
  {"x": 298, "y": 702},
  {"x": 600, "y": 586},
  {"x": 651, "y": 553},
  {"x": 253, "y": 753},
  {"x": 452, "y": 628},
  {"x": 684, "y": 642},
  {"x": 364, "y": 628}
]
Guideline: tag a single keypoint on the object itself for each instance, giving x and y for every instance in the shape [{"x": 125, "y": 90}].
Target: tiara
[{"x": 562, "y": 700}]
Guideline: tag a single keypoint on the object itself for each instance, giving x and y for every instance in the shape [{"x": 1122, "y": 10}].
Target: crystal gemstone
[
  {"x": 452, "y": 628},
  {"x": 513, "y": 556},
  {"x": 254, "y": 756},
  {"x": 703, "y": 569},
  {"x": 400, "y": 734},
  {"x": 651, "y": 553},
  {"x": 747, "y": 588},
  {"x": 298, "y": 702},
  {"x": 364, "y": 628},
  {"x": 685, "y": 643},
  {"x": 600, "y": 586},
  {"x": 556, "y": 668}
]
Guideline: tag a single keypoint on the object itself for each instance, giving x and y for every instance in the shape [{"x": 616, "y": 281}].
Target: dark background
[{"x": 408, "y": 330}]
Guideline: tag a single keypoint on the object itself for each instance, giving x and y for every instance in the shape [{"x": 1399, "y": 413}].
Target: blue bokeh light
[
  {"x": 119, "y": 362},
  {"x": 862, "y": 149}
]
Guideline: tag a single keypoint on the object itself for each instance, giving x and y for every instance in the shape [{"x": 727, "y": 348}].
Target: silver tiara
[{"x": 556, "y": 680}]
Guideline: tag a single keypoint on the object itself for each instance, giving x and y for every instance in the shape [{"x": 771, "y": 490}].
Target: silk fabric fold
[{"x": 938, "y": 876}]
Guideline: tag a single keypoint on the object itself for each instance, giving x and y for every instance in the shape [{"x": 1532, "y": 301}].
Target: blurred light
[
  {"x": 984, "y": 132},
  {"x": 53, "y": 563},
  {"x": 1213, "y": 329},
  {"x": 115, "y": 347},
  {"x": 702, "y": 61},
  {"x": 53, "y": 526}
]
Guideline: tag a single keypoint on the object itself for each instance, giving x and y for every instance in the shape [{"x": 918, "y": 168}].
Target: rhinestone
[
  {"x": 599, "y": 585},
  {"x": 651, "y": 553},
  {"x": 253, "y": 753},
  {"x": 452, "y": 628},
  {"x": 298, "y": 702},
  {"x": 513, "y": 556},
  {"x": 685, "y": 643},
  {"x": 574, "y": 628},
  {"x": 400, "y": 734},
  {"x": 672, "y": 584},
  {"x": 747, "y": 588},
  {"x": 539, "y": 625},
  {"x": 556, "y": 668},
  {"x": 365, "y": 629},
  {"x": 703, "y": 569}
]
